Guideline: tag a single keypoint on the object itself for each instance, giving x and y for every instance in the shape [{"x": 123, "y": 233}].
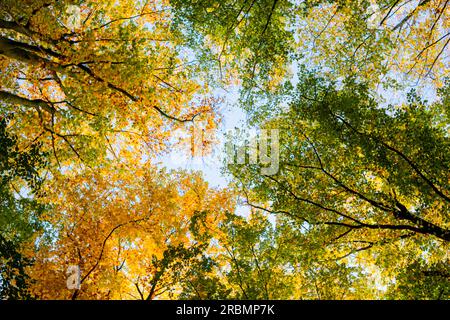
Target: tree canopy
[{"x": 95, "y": 95}]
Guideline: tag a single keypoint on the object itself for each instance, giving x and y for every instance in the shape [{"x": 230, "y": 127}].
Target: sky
[
  {"x": 232, "y": 117},
  {"x": 211, "y": 166}
]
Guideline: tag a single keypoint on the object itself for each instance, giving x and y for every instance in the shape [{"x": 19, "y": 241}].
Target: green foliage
[
  {"x": 252, "y": 37},
  {"x": 359, "y": 208},
  {"x": 202, "y": 283},
  {"x": 13, "y": 276},
  {"x": 364, "y": 181},
  {"x": 268, "y": 257},
  {"x": 421, "y": 280},
  {"x": 19, "y": 215},
  {"x": 15, "y": 163}
]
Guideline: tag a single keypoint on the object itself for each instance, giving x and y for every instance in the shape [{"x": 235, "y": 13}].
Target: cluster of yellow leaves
[
  {"x": 134, "y": 86},
  {"x": 112, "y": 222},
  {"x": 109, "y": 96}
]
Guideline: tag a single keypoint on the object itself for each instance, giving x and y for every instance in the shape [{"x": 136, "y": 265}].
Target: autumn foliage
[{"x": 93, "y": 94}]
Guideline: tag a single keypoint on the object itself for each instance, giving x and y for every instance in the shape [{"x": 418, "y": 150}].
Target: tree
[
  {"x": 13, "y": 277},
  {"x": 81, "y": 75},
  {"x": 204, "y": 282},
  {"x": 380, "y": 41},
  {"x": 20, "y": 214},
  {"x": 262, "y": 258},
  {"x": 364, "y": 181},
  {"x": 245, "y": 41},
  {"x": 92, "y": 92},
  {"x": 126, "y": 227},
  {"x": 422, "y": 280},
  {"x": 101, "y": 87},
  {"x": 377, "y": 41}
]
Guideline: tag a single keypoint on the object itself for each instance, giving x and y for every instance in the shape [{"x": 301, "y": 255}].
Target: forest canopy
[{"x": 342, "y": 193}]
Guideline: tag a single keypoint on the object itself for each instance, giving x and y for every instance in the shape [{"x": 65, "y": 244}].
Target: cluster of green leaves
[
  {"x": 364, "y": 181},
  {"x": 260, "y": 258},
  {"x": 252, "y": 37},
  {"x": 421, "y": 280},
  {"x": 19, "y": 214}
]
